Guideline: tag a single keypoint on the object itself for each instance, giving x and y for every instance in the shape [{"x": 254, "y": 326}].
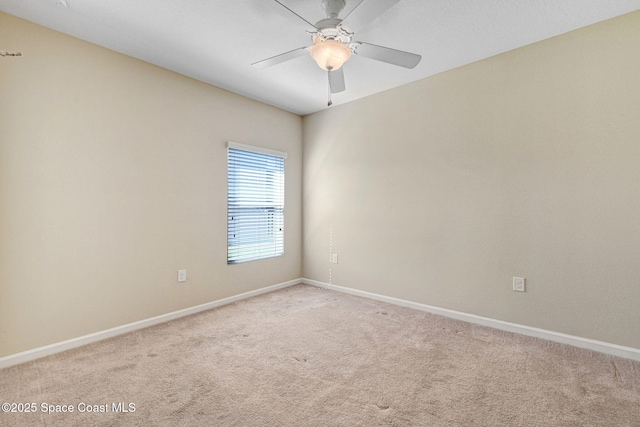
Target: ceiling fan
[{"x": 332, "y": 39}]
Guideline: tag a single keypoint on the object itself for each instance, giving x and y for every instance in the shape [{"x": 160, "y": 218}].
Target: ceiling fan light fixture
[{"x": 329, "y": 54}]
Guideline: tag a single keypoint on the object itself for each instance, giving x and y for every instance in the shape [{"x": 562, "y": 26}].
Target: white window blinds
[{"x": 255, "y": 203}]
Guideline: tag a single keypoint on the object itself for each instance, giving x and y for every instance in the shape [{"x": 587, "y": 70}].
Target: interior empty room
[{"x": 491, "y": 209}]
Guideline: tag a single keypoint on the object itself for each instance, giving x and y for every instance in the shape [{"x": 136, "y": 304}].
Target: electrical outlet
[
  {"x": 518, "y": 284},
  {"x": 334, "y": 258},
  {"x": 182, "y": 276}
]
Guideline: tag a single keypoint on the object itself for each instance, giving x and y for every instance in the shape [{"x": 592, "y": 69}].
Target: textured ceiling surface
[{"x": 216, "y": 41}]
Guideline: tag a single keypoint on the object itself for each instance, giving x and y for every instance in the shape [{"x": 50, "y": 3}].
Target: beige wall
[
  {"x": 525, "y": 164},
  {"x": 113, "y": 177}
]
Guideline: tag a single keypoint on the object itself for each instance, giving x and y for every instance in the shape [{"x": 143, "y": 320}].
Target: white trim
[
  {"x": 47, "y": 350},
  {"x": 586, "y": 343},
  {"x": 253, "y": 149},
  {"x": 599, "y": 346}
]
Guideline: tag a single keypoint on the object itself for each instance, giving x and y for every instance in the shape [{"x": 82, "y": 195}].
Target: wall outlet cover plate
[{"x": 518, "y": 284}]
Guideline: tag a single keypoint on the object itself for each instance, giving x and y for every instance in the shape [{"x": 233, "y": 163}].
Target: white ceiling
[{"x": 215, "y": 41}]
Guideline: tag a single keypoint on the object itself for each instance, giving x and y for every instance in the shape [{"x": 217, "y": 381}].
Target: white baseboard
[
  {"x": 586, "y": 343},
  {"x": 36, "y": 353},
  {"x": 599, "y": 346}
]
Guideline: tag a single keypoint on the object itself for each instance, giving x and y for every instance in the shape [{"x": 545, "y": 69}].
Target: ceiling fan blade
[
  {"x": 292, "y": 54},
  {"x": 388, "y": 55},
  {"x": 336, "y": 81},
  {"x": 365, "y": 12},
  {"x": 287, "y": 13}
]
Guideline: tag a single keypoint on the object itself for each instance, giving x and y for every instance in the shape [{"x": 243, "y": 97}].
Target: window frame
[{"x": 254, "y": 216}]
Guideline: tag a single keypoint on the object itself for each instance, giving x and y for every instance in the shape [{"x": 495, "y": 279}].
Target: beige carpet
[{"x": 305, "y": 356}]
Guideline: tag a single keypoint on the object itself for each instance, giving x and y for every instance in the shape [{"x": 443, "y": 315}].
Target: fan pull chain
[{"x": 329, "y": 87}]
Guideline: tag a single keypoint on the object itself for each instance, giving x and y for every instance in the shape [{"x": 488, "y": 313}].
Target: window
[{"x": 255, "y": 203}]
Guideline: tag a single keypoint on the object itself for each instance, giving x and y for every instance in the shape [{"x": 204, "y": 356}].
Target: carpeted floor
[{"x": 305, "y": 356}]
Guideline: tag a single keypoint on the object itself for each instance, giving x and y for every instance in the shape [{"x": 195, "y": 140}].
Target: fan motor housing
[
  {"x": 330, "y": 28},
  {"x": 328, "y": 24}
]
